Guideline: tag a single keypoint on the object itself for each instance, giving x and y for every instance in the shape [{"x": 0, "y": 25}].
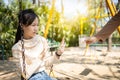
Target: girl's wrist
[{"x": 56, "y": 53}]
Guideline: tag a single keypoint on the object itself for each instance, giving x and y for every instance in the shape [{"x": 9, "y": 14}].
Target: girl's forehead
[{"x": 36, "y": 20}]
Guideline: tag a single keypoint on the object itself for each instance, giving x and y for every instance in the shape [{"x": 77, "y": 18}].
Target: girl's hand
[{"x": 61, "y": 47}]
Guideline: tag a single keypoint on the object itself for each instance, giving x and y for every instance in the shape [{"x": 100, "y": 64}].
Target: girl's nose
[{"x": 36, "y": 28}]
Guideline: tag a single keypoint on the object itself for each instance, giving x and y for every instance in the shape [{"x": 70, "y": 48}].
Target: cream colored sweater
[{"x": 37, "y": 55}]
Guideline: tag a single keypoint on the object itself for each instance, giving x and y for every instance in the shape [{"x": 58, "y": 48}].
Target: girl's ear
[{"x": 21, "y": 25}]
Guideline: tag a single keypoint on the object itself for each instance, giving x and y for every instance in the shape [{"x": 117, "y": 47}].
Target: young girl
[{"x": 32, "y": 49}]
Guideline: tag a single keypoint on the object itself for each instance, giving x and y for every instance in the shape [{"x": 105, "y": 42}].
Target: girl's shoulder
[
  {"x": 16, "y": 46},
  {"x": 41, "y": 38}
]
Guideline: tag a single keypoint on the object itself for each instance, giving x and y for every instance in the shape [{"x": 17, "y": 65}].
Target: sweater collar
[{"x": 28, "y": 43}]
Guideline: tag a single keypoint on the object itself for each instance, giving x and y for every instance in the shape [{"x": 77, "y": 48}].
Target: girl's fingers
[{"x": 62, "y": 46}]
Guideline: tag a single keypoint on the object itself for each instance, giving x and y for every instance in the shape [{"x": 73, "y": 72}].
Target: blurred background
[{"x": 74, "y": 19}]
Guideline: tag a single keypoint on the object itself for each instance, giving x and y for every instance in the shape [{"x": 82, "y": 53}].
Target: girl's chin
[
  {"x": 32, "y": 35},
  {"x": 35, "y": 34}
]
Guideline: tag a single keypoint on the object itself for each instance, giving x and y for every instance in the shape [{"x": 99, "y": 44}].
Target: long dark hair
[{"x": 25, "y": 17}]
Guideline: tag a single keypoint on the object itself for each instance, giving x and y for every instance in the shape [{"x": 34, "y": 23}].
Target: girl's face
[{"x": 31, "y": 30}]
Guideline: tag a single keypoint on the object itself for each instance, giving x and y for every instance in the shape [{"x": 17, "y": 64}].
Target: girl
[{"x": 32, "y": 49}]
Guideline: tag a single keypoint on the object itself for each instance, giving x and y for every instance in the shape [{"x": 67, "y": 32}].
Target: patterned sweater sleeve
[
  {"x": 16, "y": 51},
  {"x": 49, "y": 59}
]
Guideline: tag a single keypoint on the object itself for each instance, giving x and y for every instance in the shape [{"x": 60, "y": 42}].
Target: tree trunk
[
  {"x": 34, "y": 1},
  {"x": 38, "y": 2}
]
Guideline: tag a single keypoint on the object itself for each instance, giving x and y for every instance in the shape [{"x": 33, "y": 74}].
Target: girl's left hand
[{"x": 61, "y": 47}]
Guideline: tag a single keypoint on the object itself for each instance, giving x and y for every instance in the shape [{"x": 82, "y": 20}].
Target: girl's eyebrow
[{"x": 34, "y": 23}]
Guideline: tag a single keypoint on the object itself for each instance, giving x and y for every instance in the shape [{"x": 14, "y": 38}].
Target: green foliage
[
  {"x": 8, "y": 24},
  {"x": 7, "y": 39}
]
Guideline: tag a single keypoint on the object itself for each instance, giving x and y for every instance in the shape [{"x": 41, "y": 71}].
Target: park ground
[{"x": 76, "y": 63}]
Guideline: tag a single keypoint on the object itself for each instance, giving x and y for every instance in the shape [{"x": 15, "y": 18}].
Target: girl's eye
[{"x": 33, "y": 25}]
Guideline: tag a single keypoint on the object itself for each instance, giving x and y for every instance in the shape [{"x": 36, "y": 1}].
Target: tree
[{"x": 34, "y": 1}]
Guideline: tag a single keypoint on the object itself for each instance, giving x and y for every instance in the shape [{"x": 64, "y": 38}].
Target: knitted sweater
[{"x": 37, "y": 56}]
